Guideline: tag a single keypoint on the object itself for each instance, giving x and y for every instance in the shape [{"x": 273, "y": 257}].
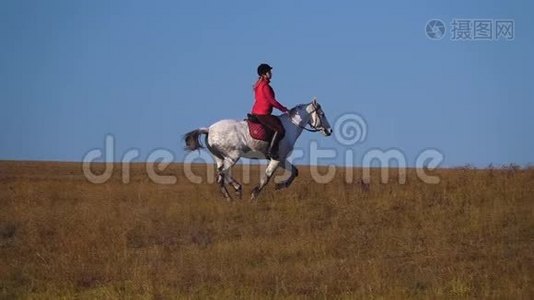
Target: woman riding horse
[{"x": 263, "y": 107}]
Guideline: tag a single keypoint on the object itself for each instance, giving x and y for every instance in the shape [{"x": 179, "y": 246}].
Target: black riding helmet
[{"x": 263, "y": 68}]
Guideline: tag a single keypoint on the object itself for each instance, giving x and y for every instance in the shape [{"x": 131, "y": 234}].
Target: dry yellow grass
[{"x": 472, "y": 235}]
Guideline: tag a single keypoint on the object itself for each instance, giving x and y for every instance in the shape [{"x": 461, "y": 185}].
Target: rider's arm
[{"x": 268, "y": 93}]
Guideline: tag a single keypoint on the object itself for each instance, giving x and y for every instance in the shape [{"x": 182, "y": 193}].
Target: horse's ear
[{"x": 314, "y": 100}]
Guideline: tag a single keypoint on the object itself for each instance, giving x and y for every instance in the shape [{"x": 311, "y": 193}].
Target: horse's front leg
[
  {"x": 294, "y": 173},
  {"x": 273, "y": 164}
]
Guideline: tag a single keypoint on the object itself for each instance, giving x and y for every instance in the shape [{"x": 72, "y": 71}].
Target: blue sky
[{"x": 149, "y": 71}]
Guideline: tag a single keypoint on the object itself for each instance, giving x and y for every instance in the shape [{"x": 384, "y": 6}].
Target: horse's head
[{"x": 318, "y": 120}]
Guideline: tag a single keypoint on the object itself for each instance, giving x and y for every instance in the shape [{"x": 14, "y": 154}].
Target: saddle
[{"x": 257, "y": 130}]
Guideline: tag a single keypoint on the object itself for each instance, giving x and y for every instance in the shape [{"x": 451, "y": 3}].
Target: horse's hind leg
[
  {"x": 235, "y": 184},
  {"x": 221, "y": 178},
  {"x": 229, "y": 163}
]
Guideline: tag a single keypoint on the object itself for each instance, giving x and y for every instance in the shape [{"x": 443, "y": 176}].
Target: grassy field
[{"x": 472, "y": 235}]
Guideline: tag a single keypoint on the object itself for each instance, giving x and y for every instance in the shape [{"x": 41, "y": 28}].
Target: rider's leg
[
  {"x": 273, "y": 123},
  {"x": 273, "y": 147}
]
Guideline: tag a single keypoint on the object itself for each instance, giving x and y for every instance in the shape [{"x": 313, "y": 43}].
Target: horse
[{"x": 229, "y": 140}]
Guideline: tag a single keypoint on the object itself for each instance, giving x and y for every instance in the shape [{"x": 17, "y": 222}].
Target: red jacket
[{"x": 265, "y": 100}]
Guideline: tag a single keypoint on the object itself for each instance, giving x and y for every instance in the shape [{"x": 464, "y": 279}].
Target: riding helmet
[{"x": 263, "y": 68}]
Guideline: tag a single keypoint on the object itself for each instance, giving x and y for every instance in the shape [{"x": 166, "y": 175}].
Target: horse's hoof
[
  {"x": 239, "y": 193},
  {"x": 254, "y": 194},
  {"x": 280, "y": 186}
]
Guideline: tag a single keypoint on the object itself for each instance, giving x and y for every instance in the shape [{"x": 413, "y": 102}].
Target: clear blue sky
[{"x": 149, "y": 71}]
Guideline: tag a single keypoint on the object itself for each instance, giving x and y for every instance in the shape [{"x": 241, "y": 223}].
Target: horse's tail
[{"x": 191, "y": 139}]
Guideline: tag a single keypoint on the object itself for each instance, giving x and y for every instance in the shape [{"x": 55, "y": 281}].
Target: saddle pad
[{"x": 259, "y": 132}]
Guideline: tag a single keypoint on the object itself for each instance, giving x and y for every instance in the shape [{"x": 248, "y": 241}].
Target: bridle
[
  {"x": 309, "y": 129},
  {"x": 315, "y": 108}
]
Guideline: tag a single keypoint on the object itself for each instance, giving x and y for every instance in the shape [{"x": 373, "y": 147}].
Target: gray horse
[{"x": 229, "y": 140}]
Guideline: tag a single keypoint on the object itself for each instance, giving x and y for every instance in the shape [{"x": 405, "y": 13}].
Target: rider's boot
[{"x": 273, "y": 147}]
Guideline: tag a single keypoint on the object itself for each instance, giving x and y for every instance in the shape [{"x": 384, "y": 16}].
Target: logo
[{"x": 435, "y": 29}]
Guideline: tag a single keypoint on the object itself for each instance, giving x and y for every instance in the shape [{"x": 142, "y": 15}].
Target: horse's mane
[{"x": 296, "y": 108}]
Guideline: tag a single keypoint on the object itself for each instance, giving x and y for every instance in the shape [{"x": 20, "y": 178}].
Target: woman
[{"x": 263, "y": 107}]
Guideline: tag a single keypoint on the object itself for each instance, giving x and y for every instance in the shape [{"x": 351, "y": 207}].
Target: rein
[{"x": 308, "y": 129}]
